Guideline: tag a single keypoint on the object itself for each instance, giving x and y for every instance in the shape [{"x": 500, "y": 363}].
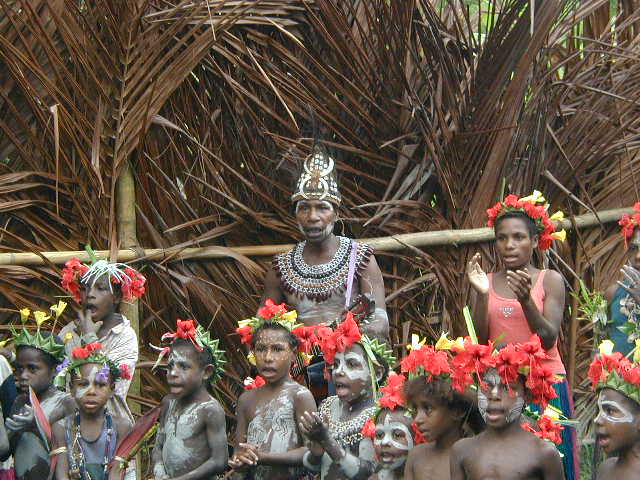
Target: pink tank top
[{"x": 506, "y": 318}]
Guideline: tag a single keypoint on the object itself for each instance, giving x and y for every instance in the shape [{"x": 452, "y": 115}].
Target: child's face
[
  {"x": 91, "y": 387},
  {"x": 500, "y": 404},
  {"x": 393, "y": 439},
  {"x": 433, "y": 419},
  {"x": 514, "y": 243},
  {"x": 617, "y": 422},
  {"x": 350, "y": 372},
  {"x": 98, "y": 298},
  {"x": 185, "y": 374},
  {"x": 274, "y": 355},
  {"x": 32, "y": 370}
]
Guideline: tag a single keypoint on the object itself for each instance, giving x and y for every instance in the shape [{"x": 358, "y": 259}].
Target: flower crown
[
  {"x": 535, "y": 207},
  {"x": 91, "y": 353},
  {"x": 629, "y": 223},
  {"x": 612, "y": 370},
  {"x": 132, "y": 282},
  {"x": 392, "y": 398},
  {"x": 269, "y": 313},
  {"x": 200, "y": 339},
  {"x": 37, "y": 340}
]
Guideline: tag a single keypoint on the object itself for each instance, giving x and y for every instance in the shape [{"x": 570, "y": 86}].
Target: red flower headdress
[
  {"x": 535, "y": 207},
  {"x": 132, "y": 283},
  {"x": 91, "y": 353},
  {"x": 629, "y": 223},
  {"x": 612, "y": 370}
]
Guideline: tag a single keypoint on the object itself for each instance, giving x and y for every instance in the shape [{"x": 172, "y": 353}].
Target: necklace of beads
[
  {"x": 348, "y": 432},
  {"x": 318, "y": 282},
  {"x": 77, "y": 466}
]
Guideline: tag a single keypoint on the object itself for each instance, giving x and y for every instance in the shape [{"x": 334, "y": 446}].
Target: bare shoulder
[
  {"x": 610, "y": 292},
  {"x": 123, "y": 427},
  {"x": 547, "y": 450},
  {"x": 606, "y": 468},
  {"x": 553, "y": 280},
  {"x": 212, "y": 407},
  {"x": 417, "y": 453},
  {"x": 463, "y": 446},
  {"x": 301, "y": 393},
  {"x": 246, "y": 398}
]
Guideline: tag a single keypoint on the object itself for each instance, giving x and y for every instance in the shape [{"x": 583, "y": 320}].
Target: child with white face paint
[
  {"x": 337, "y": 448},
  {"x": 85, "y": 441},
  {"x": 617, "y": 381}
]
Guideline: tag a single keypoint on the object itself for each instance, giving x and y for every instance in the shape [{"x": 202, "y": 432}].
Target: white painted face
[
  {"x": 494, "y": 382},
  {"x": 82, "y": 391},
  {"x": 353, "y": 365},
  {"x": 386, "y": 439},
  {"x": 605, "y": 405}
]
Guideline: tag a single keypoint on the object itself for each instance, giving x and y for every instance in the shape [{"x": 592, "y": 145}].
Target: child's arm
[
  {"x": 455, "y": 460},
  {"x": 4, "y": 439},
  {"x": 241, "y": 457},
  {"x": 551, "y": 463},
  {"x": 159, "y": 472},
  {"x": 546, "y": 323},
  {"x": 21, "y": 419},
  {"x": 123, "y": 427},
  {"x": 303, "y": 401},
  {"x": 60, "y": 451},
  {"x": 214, "y": 420}
]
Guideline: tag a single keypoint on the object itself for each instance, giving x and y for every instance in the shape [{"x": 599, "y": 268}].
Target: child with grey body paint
[
  {"x": 337, "y": 448},
  {"x": 191, "y": 442}
]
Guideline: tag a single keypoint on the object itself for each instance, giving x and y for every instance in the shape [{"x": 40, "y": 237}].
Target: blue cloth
[
  {"x": 618, "y": 318},
  {"x": 569, "y": 446}
]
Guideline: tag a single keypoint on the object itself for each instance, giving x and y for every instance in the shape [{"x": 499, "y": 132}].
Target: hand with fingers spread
[
  {"x": 631, "y": 281},
  {"x": 315, "y": 430},
  {"x": 477, "y": 277},
  {"x": 86, "y": 324},
  {"x": 246, "y": 455},
  {"x": 519, "y": 281}
]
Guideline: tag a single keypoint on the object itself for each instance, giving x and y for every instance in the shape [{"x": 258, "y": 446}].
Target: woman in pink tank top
[{"x": 519, "y": 300}]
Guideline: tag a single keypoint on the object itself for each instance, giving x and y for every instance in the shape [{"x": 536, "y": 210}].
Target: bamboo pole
[{"x": 393, "y": 243}]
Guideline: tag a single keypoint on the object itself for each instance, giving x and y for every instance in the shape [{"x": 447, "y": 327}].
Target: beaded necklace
[
  {"x": 346, "y": 433},
  {"x": 318, "y": 282},
  {"x": 77, "y": 459}
]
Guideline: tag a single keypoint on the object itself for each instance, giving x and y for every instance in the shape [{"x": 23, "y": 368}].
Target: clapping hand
[
  {"x": 245, "y": 455},
  {"x": 21, "y": 421},
  {"x": 519, "y": 282},
  {"x": 477, "y": 277}
]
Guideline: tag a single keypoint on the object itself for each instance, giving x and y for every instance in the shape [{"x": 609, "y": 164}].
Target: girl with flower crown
[
  {"x": 623, "y": 296},
  {"x": 337, "y": 448},
  {"x": 269, "y": 445},
  {"x": 85, "y": 441},
  {"x": 520, "y": 300},
  {"x": 100, "y": 287}
]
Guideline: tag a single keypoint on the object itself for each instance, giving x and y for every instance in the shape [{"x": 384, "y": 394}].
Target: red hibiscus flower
[
  {"x": 417, "y": 435},
  {"x": 93, "y": 347},
  {"x": 80, "y": 352},
  {"x": 125, "y": 372},
  {"x": 511, "y": 200},
  {"x": 246, "y": 334},
  {"x": 411, "y": 362},
  {"x": 460, "y": 380},
  {"x": 133, "y": 285},
  {"x": 270, "y": 309},
  {"x": 254, "y": 383},
  {"x": 492, "y": 214},
  {"x": 71, "y": 273},
  {"x": 347, "y": 333},
  {"x": 306, "y": 338},
  {"x": 596, "y": 372},
  {"x": 369, "y": 429},
  {"x": 393, "y": 394},
  {"x": 475, "y": 358},
  {"x": 327, "y": 343},
  {"x": 632, "y": 375},
  {"x": 508, "y": 361},
  {"x": 550, "y": 430}
]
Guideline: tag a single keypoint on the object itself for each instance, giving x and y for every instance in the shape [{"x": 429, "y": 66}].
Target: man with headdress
[{"x": 325, "y": 275}]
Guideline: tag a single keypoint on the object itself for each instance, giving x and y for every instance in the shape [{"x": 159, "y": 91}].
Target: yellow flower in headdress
[
  {"x": 636, "y": 353},
  {"x": 290, "y": 316},
  {"x": 24, "y": 315},
  {"x": 444, "y": 343},
  {"x": 416, "y": 343},
  {"x": 552, "y": 412},
  {"x": 40, "y": 317},
  {"x": 251, "y": 358},
  {"x": 245, "y": 322},
  {"x": 68, "y": 336},
  {"x": 59, "y": 308},
  {"x": 560, "y": 235},
  {"x": 535, "y": 197},
  {"x": 606, "y": 347},
  {"x": 558, "y": 216}
]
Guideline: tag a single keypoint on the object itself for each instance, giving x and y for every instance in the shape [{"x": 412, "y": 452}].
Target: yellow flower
[
  {"x": 561, "y": 235},
  {"x": 458, "y": 343},
  {"x": 244, "y": 323},
  {"x": 68, "y": 336},
  {"x": 558, "y": 216},
  {"x": 416, "y": 343},
  {"x": 306, "y": 358},
  {"x": 40, "y": 317},
  {"x": 636, "y": 353},
  {"x": 444, "y": 343},
  {"x": 290, "y": 316},
  {"x": 552, "y": 412},
  {"x": 24, "y": 315},
  {"x": 4, "y": 342},
  {"x": 606, "y": 347},
  {"x": 251, "y": 358},
  {"x": 535, "y": 197},
  {"x": 59, "y": 308}
]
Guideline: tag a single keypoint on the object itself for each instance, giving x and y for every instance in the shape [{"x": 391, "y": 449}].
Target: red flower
[
  {"x": 550, "y": 430},
  {"x": 347, "y": 333},
  {"x": 246, "y": 334},
  {"x": 417, "y": 435},
  {"x": 71, "y": 273},
  {"x": 80, "y": 352},
  {"x": 93, "y": 347},
  {"x": 632, "y": 375},
  {"x": 327, "y": 342},
  {"x": 508, "y": 361},
  {"x": 270, "y": 309},
  {"x": 125, "y": 372},
  {"x": 597, "y": 372},
  {"x": 492, "y": 213},
  {"x": 133, "y": 285},
  {"x": 306, "y": 338},
  {"x": 540, "y": 382},
  {"x": 460, "y": 380},
  {"x": 369, "y": 429},
  {"x": 411, "y": 362},
  {"x": 255, "y": 383},
  {"x": 474, "y": 358},
  {"x": 393, "y": 394},
  {"x": 511, "y": 200}
]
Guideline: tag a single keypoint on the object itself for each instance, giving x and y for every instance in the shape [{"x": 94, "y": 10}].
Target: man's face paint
[
  {"x": 316, "y": 219},
  {"x": 612, "y": 411},
  {"x": 392, "y": 442}
]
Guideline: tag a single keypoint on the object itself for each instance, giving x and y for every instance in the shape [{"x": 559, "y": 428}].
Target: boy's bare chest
[
  {"x": 502, "y": 461},
  {"x": 432, "y": 466},
  {"x": 185, "y": 423}
]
